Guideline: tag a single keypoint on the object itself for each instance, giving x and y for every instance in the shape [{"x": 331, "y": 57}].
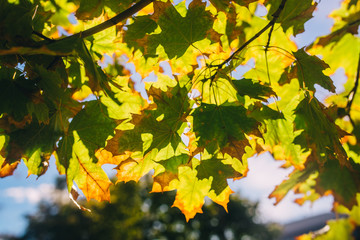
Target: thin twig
[
  {"x": 270, "y": 24},
  {"x": 266, "y": 52},
  {"x": 269, "y": 38},
  {"x": 112, "y": 21},
  {"x": 43, "y": 36},
  {"x": 353, "y": 91}
]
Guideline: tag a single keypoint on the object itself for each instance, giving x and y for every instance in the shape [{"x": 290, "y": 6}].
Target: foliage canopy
[{"x": 67, "y": 75}]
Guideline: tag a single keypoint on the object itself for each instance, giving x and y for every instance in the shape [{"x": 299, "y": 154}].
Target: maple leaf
[
  {"x": 341, "y": 180},
  {"x": 190, "y": 192},
  {"x": 19, "y": 15},
  {"x": 88, "y": 10},
  {"x": 235, "y": 149},
  {"x": 252, "y": 89},
  {"x": 35, "y": 143},
  {"x": 162, "y": 182},
  {"x": 163, "y": 124},
  {"x": 6, "y": 168},
  {"x": 294, "y": 14},
  {"x": 309, "y": 71},
  {"x": 219, "y": 172},
  {"x": 155, "y": 136},
  {"x": 279, "y": 139},
  {"x": 87, "y": 133},
  {"x": 172, "y": 163},
  {"x": 296, "y": 178},
  {"x": 132, "y": 170},
  {"x": 141, "y": 26},
  {"x": 224, "y": 5},
  {"x": 88, "y": 176},
  {"x": 218, "y": 124},
  {"x": 311, "y": 117},
  {"x": 179, "y": 33},
  {"x": 188, "y": 57},
  {"x": 348, "y": 62},
  {"x": 223, "y": 198},
  {"x": 15, "y": 98}
]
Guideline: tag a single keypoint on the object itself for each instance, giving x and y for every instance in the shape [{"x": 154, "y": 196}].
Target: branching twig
[
  {"x": 269, "y": 38},
  {"x": 353, "y": 91},
  {"x": 266, "y": 52},
  {"x": 270, "y": 24}
]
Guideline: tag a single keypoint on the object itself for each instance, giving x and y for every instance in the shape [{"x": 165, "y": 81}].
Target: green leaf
[
  {"x": 88, "y": 175},
  {"x": 39, "y": 110},
  {"x": 219, "y": 124},
  {"x": 262, "y": 112},
  {"x": 141, "y": 26},
  {"x": 36, "y": 142},
  {"x": 224, "y": 5},
  {"x": 93, "y": 125},
  {"x": 296, "y": 178},
  {"x": 342, "y": 181},
  {"x": 90, "y": 9},
  {"x": 50, "y": 83},
  {"x": 132, "y": 170},
  {"x": 294, "y": 15},
  {"x": 15, "y": 21},
  {"x": 172, "y": 164},
  {"x": 310, "y": 117},
  {"x": 279, "y": 136},
  {"x": 87, "y": 133},
  {"x": 16, "y": 93},
  {"x": 217, "y": 171},
  {"x": 155, "y": 129},
  {"x": 348, "y": 43},
  {"x": 252, "y": 89},
  {"x": 179, "y": 33},
  {"x": 309, "y": 71}
]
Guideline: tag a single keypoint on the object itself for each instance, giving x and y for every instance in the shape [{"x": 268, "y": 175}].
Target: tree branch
[
  {"x": 353, "y": 90},
  {"x": 42, "y": 36},
  {"x": 270, "y": 24},
  {"x": 112, "y": 21}
]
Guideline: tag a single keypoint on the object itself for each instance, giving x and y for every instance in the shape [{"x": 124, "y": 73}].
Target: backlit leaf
[
  {"x": 294, "y": 15},
  {"x": 218, "y": 124},
  {"x": 179, "y": 33},
  {"x": 190, "y": 193},
  {"x": 252, "y": 89},
  {"x": 87, "y": 133},
  {"x": 309, "y": 71},
  {"x": 218, "y": 171}
]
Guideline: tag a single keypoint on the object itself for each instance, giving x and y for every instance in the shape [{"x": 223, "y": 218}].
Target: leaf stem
[{"x": 112, "y": 21}]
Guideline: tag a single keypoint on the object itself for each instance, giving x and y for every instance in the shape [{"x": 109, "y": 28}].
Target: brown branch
[{"x": 112, "y": 21}]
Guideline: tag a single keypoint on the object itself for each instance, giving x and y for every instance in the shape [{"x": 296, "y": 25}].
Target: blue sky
[{"x": 19, "y": 195}]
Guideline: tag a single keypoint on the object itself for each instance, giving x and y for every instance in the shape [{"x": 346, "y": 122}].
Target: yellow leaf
[
  {"x": 191, "y": 192},
  {"x": 223, "y": 198}
]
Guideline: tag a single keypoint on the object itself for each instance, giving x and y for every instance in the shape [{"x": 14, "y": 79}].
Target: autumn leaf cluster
[{"x": 185, "y": 90}]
